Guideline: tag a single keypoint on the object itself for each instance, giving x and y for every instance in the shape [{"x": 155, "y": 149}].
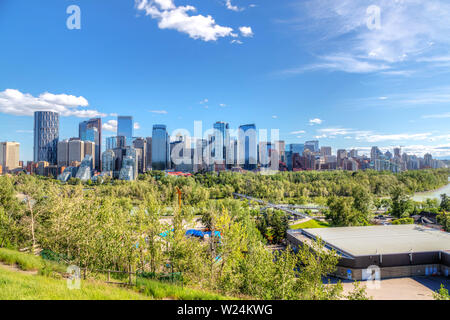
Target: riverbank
[{"x": 434, "y": 194}]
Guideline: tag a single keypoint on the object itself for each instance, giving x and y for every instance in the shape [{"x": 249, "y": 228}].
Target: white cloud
[
  {"x": 170, "y": 16},
  {"x": 223, "y": 105},
  {"x": 246, "y": 31},
  {"x": 437, "y": 116},
  {"x": 159, "y": 111},
  {"x": 204, "y": 101},
  {"x": 136, "y": 126},
  {"x": 232, "y": 7},
  {"x": 410, "y": 31},
  {"x": 274, "y": 117},
  {"x": 298, "y": 132},
  {"x": 370, "y": 136},
  {"x": 315, "y": 121},
  {"x": 236, "y": 41},
  {"x": 111, "y": 126},
  {"x": 414, "y": 98},
  {"x": 24, "y": 104},
  {"x": 342, "y": 62}
]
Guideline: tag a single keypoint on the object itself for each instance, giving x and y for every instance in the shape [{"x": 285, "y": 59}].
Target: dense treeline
[
  {"x": 118, "y": 224},
  {"x": 122, "y": 225}
]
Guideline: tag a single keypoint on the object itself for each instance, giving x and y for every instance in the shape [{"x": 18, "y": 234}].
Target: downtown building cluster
[{"x": 125, "y": 156}]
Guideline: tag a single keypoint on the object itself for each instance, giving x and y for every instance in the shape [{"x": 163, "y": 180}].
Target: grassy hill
[{"x": 28, "y": 277}]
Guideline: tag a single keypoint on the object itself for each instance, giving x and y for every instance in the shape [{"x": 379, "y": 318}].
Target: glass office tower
[
  {"x": 91, "y": 130},
  {"x": 125, "y": 128},
  {"x": 160, "y": 148},
  {"x": 221, "y": 140},
  {"x": 46, "y": 136},
  {"x": 248, "y": 156}
]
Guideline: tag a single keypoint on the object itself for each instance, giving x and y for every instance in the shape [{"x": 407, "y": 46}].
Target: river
[{"x": 435, "y": 194}]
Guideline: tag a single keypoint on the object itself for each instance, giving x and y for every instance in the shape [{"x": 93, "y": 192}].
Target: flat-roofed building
[{"x": 393, "y": 251}]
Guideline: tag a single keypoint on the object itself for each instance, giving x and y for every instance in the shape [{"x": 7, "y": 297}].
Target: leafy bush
[{"x": 403, "y": 221}]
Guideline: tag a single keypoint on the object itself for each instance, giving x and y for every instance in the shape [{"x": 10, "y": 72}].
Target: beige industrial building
[{"x": 9, "y": 155}]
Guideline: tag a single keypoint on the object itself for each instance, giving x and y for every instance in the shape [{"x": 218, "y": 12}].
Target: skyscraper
[
  {"x": 221, "y": 140},
  {"x": 149, "y": 153},
  {"x": 9, "y": 155},
  {"x": 297, "y": 148},
  {"x": 141, "y": 144},
  {"x": 160, "y": 148},
  {"x": 125, "y": 128},
  {"x": 325, "y": 151},
  {"x": 91, "y": 130},
  {"x": 248, "y": 146},
  {"x": 46, "y": 135},
  {"x": 312, "y": 146}
]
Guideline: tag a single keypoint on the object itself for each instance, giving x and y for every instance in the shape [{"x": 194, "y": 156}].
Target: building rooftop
[{"x": 357, "y": 241}]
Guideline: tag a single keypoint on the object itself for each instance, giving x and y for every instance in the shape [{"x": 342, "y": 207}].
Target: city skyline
[{"x": 280, "y": 68}]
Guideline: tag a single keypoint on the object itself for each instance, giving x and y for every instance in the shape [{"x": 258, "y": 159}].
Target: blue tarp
[
  {"x": 195, "y": 233},
  {"x": 201, "y": 234}
]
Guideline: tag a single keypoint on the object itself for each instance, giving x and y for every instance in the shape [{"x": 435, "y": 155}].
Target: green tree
[
  {"x": 341, "y": 212},
  {"x": 441, "y": 294},
  {"x": 402, "y": 205},
  {"x": 445, "y": 202}
]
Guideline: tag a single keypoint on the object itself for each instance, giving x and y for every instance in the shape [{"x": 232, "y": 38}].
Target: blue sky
[{"x": 333, "y": 70}]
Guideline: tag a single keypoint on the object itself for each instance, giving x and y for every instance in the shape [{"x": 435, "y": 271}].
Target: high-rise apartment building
[
  {"x": 325, "y": 151},
  {"x": 9, "y": 155},
  {"x": 75, "y": 150},
  {"x": 46, "y": 135},
  {"x": 141, "y": 145}
]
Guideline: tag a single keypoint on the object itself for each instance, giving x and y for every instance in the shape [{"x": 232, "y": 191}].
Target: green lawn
[
  {"x": 19, "y": 286},
  {"x": 311, "y": 224},
  {"x": 29, "y": 262},
  {"x": 160, "y": 290}
]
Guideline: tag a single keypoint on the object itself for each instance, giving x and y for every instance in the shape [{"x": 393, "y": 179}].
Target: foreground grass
[
  {"x": 19, "y": 286},
  {"x": 29, "y": 262},
  {"x": 311, "y": 224},
  {"x": 15, "y": 285},
  {"x": 160, "y": 290}
]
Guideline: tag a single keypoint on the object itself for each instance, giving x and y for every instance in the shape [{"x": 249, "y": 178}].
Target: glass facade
[
  {"x": 221, "y": 140},
  {"x": 248, "y": 146},
  {"x": 160, "y": 148},
  {"x": 46, "y": 135},
  {"x": 125, "y": 128},
  {"x": 297, "y": 148},
  {"x": 91, "y": 130}
]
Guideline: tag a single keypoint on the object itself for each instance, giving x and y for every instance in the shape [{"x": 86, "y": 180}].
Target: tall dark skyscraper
[
  {"x": 46, "y": 136},
  {"x": 248, "y": 146},
  {"x": 91, "y": 130},
  {"x": 160, "y": 148},
  {"x": 125, "y": 128}
]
